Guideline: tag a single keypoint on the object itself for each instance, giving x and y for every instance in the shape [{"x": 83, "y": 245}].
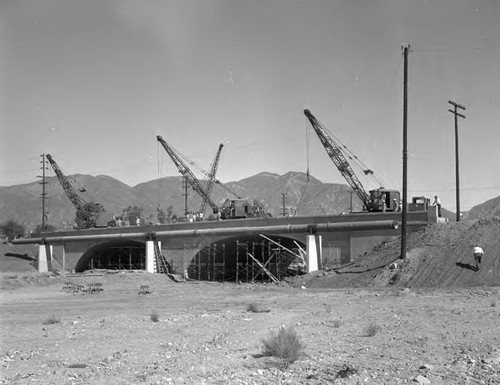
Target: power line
[{"x": 462, "y": 189}]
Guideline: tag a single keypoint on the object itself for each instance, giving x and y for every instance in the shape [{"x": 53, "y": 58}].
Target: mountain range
[{"x": 294, "y": 192}]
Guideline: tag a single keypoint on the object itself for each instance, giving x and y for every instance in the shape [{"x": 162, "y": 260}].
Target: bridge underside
[
  {"x": 229, "y": 259},
  {"x": 120, "y": 255}
]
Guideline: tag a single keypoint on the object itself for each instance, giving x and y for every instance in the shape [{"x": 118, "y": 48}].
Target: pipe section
[{"x": 229, "y": 231}]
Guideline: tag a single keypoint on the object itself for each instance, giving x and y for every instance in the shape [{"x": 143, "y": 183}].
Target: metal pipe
[{"x": 230, "y": 231}]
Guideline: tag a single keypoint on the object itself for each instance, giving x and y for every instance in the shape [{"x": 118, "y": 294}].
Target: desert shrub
[
  {"x": 51, "y": 320},
  {"x": 254, "y": 308},
  {"x": 371, "y": 329},
  {"x": 284, "y": 344},
  {"x": 78, "y": 366},
  {"x": 337, "y": 323},
  {"x": 154, "y": 316},
  {"x": 346, "y": 372},
  {"x": 144, "y": 290}
]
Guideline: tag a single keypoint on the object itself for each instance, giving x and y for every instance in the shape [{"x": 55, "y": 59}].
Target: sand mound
[{"x": 439, "y": 255}]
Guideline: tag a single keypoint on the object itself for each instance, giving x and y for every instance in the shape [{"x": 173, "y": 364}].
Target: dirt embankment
[{"x": 439, "y": 255}]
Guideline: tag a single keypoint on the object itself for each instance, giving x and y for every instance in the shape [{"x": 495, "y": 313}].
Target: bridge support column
[
  {"x": 314, "y": 252},
  {"x": 44, "y": 258},
  {"x": 150, "y": 257}
]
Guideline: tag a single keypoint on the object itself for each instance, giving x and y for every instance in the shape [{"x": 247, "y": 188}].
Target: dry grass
[
  {"x": 254, "y": 308},
  {"x": 337, "y": 323},
  {"x": 51, "y": 320},
  {"x": 154, "y": 316},
  {"x": 284, "y": 344},
  {"x": 371, "y": 329}
]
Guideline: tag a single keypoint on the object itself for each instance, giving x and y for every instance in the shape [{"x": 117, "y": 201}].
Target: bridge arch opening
[
  {"x": 114, "y": 255},
  {"x": 248, "y": 259}
]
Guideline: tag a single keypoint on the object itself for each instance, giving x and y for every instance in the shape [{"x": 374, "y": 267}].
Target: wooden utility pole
[
  {"x": 185, "y": 186},
  {"x": 44, "y": 192},
  {"x": 405, "y": 153},
  {"x": 457, "y": 179}
]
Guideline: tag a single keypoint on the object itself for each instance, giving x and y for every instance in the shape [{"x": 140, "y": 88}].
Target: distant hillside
[
  {"x": 485, "y": 210},
  {"x": 303, "y": 196}
]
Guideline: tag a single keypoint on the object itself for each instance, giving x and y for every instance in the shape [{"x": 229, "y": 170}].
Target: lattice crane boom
[
  {"x": 211, "y": 177},
  {"x": 70, "y": 191},
  {"x": 335, "y": 153},
  {"x": 188, "y": 174},
  {"x": 86, "y": 212}
]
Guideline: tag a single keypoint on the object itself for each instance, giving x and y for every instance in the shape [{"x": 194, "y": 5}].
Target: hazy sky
[{"x": 94, "y": 82}]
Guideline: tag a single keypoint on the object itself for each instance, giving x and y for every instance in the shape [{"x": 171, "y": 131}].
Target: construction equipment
[
  {"x": 211, "y": 178},
  {"x": 242, "y": 208},
  {"x": 376, "y": 200},
  {"x": 88, "y": 214},
  {"x": 188, "y": 175},
  {"x": 231, "y": 208}
]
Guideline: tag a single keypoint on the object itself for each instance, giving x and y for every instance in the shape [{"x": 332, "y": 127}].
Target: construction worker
[
  {"x": 383, "y": 202},
  {"x": 437, "y": 203},
  {"x": 395, "y": 204},
  {"x": 478, "y": 255}
]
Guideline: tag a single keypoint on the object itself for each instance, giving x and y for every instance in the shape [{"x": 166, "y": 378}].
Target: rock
[
  {"x": 427, "y": 366},
  {"x": 422, "y": 380}
]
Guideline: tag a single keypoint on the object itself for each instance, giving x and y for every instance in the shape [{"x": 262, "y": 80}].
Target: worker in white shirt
[
  {"x": 478, "y": 254},
  {"x": 437, "y": 203}
]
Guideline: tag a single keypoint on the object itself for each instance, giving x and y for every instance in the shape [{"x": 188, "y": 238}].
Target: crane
[
  {"x": 211, "y": 178},
  {"x": 86, "y": 212},
  {"x": 376, "y": 200},
  {"x": 188, "y": 174}
]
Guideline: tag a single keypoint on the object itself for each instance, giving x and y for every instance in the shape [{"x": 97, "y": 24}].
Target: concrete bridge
[{"x": 224, "y": 250}]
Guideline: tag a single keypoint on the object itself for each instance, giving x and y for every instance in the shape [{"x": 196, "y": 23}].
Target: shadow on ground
[
  {"x": 466, "y": 266},
  {"x": 26, "y": 257}
]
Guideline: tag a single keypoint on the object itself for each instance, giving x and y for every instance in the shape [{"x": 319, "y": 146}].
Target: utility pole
[
  {"x": 405, "y": 153},
  {"x": 185, "y": 186},
  {"x": 44, "y": 193},
  {"x": 457, "y": 180},
  {"x": 283, "y": 201}
]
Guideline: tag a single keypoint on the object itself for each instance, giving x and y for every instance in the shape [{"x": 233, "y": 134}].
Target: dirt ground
[
  {"x": 431, "y": 319},
  {"x": 205, "y": 335}
]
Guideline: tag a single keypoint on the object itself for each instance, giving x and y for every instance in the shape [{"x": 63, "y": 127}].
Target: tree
[
  {"x": 11, "y": 229},
  {"x": 170, "y": 211},
  {"x": 39, "y": 229},
  {"x": 161, "y": 217}
]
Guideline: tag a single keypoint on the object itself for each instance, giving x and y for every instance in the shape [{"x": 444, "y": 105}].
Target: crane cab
[
  {"x": 382, "y": 200},
  {"x": 419, "y": 204},
  {"x": 241, "y": 208}
]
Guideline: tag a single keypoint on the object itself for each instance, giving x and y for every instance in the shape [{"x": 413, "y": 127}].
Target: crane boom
[
  {"x": 86, "y": 212},
  {"x": 188, "y": 174},
  {"x": 336, "y": 155},
  {"x": 211, "y": 177},
  {"x": 77, "y": 201}
]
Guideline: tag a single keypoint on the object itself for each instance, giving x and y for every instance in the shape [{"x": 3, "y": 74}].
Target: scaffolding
[
  {"x": 247, "y": 261},
  {"x": 118, "y": 258}
]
